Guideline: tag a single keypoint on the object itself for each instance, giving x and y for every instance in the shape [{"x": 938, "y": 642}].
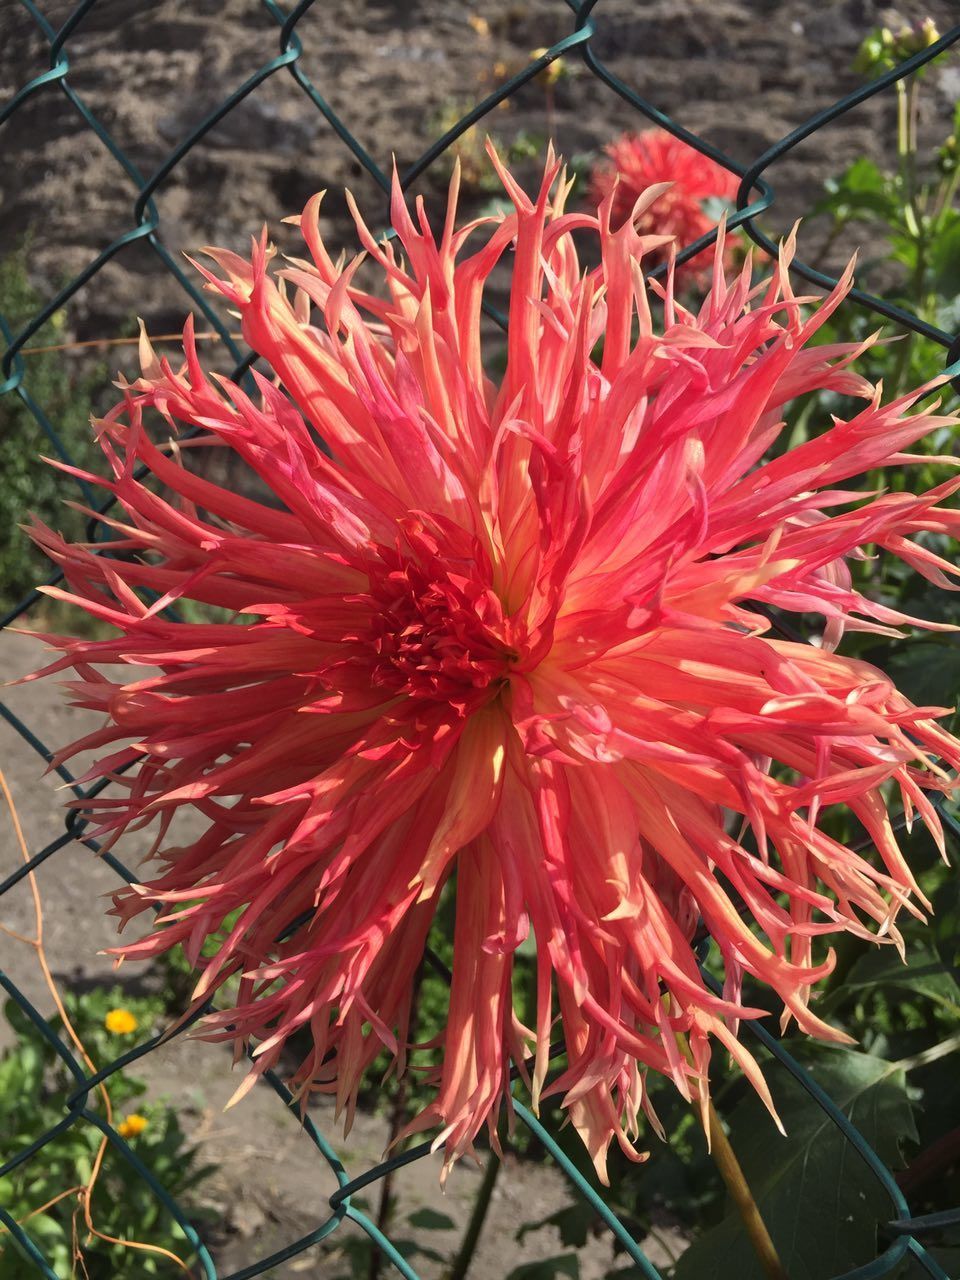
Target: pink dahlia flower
[
  {"x": 504, "y": 636},
  {"x": 636, "y": 161}
]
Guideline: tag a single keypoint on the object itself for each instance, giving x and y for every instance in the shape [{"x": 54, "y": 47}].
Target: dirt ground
[{"x": 742, "y": 74}]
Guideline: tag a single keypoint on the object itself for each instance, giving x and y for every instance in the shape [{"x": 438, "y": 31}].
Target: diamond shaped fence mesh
[{"x": 903, "y": 1237}]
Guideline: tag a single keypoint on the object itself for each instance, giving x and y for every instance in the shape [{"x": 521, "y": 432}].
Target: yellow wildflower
[
  {"x": 132, "y": 1126},
  {"x": 120, "y": 1022}
]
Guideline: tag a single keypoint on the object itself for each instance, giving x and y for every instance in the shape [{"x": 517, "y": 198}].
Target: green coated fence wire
[{"x": 903, "y": 1232}]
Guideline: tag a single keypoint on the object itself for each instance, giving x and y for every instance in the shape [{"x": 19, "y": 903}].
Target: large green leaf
[
  {"x": 821, "y": 1203},
  {"x": 926, "y": 975},
  {"x": 927, "y": 672}
]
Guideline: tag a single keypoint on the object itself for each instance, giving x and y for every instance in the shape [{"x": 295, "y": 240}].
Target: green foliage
[
  {"x": 928, "y": 672},
  {"x": 34, "y": 1087},
  {"x": 823, "y": 1205},
  {"x": 820, "y": 1202},
  {"x": 65, "y": 398},
  {"x": 911, "y": 211},
  {"x": 884, "y": 48}
]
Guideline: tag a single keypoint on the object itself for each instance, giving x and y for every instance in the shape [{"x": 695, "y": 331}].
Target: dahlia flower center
[{"x": 438, "y": 636}]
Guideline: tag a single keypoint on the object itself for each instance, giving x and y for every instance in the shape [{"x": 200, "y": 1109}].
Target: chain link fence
[{"x": 903, "y": 1235}]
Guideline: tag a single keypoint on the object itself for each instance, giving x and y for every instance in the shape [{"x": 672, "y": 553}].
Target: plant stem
[
  {"x": 915, "y": 224},
  {"x": 913, "y": 117},
  {"x": 477, "y": 1218},
  {"x": 903, "y": 141},
  {"x": 944, "y": 201},
  {"x": 729, "y": 1166},
  {"x": 902, "y": 365}
]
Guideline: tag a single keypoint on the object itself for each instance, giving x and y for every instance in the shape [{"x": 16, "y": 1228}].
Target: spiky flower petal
[{"x": 634, "y": 162}]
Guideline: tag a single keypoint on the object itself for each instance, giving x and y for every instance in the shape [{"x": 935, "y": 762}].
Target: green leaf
[
  {"x": 926, "y": 975},
  {"x": 945, "y": 260},
  {"x": 564, "y": 1264},
  {"x": 44, "y": 1230},
  {"x": 862, "y": 189},
  {"x": 431, "y": 1220},
  {"x": 927, "y": 672},
  {"x": 821, "y": 1203}
]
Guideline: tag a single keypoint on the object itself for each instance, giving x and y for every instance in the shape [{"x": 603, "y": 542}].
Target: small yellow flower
[
  {"x": 480, "y": 25},
  {"x": 132, "y": 1126},
  {"x": 120, "y": 1022}
]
